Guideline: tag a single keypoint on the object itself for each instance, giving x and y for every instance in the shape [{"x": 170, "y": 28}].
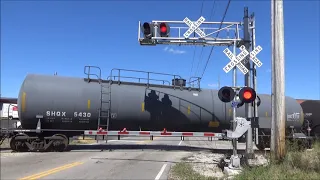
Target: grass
[
  {"x": 298, "y": 164},
  {"x": 80, "y": 140},
  {"x": 183, "y": 171}
]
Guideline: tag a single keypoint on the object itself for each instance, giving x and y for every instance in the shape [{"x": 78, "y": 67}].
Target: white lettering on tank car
[
  {"x": 307, "y": 114},
  {"x": 81, "y": 114},
  {"x": 56, "y": 113},
  {"x": 293, "y": 117}
]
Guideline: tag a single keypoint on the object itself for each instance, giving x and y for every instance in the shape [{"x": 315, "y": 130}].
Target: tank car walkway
[{"x": 129, "y": 158}]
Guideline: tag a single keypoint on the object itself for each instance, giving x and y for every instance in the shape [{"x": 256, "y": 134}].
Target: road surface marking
[
  {"x": 160, "y": 172},
  {"x": 180, "y": 143},
  {"x": 51, "y": 171}
]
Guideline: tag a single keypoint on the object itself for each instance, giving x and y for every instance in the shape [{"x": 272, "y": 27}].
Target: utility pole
[
  {"x": 278, "y": 81},
  {"x": 272, "y": 139},
  {"x": 248, "y": 114}
]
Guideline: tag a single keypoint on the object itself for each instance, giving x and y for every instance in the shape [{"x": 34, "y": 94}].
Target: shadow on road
[
  {"x": 99, "y": 160},
  {"x": 111, "y": 147}
]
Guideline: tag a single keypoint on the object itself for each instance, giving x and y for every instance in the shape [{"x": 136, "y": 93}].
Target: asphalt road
[{"x": 129, "y": 158}]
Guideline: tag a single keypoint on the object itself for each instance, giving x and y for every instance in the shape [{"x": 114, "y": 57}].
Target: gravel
[{"x": 206, "y": 164}]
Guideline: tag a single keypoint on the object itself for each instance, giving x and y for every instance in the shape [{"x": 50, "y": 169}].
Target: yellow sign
[{"x": 214, "y": 124}]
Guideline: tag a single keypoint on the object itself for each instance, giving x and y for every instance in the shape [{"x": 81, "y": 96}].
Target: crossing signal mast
[
  {"x": 158, "y": 32},
  {"x": 178, "y": 33}
]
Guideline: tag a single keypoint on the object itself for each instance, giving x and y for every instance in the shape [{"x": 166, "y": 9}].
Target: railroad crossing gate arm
[{"x": 242, "y": 127}]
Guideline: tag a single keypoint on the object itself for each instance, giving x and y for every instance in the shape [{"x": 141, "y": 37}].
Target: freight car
[
  {"x": 311, "y": 109},
  {"x": 66, "y": 106}
]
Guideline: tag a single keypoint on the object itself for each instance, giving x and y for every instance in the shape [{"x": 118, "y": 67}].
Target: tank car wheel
[
  {"x": 18, "y": 146},
  {"x": 60, "y": 146}
]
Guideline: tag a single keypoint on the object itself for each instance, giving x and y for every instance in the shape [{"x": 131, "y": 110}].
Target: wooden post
[{"x": 278, "y": 85}]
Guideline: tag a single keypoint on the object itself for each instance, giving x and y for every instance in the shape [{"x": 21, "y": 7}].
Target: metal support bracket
[
  {"x": 38, "y": 129},
  {"x": 242, "y": 127}
]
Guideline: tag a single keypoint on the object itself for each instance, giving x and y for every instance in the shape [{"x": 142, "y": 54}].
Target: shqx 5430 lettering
[
  {"x": 56, "y": 113},
  {"x": 85, "y": 106}
]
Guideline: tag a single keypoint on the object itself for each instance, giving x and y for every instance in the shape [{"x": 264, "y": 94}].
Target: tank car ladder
[
  {"x": 105, "y": 97},
  {"x": 105, "y": 105}
]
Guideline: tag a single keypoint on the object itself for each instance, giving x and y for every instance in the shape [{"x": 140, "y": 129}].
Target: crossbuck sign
[
  {"x": 236, "y": 60},
  {"x": 194, "y": 27}
]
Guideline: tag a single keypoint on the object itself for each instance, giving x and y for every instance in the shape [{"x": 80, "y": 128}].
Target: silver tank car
[{"x": 71, "y": 103}]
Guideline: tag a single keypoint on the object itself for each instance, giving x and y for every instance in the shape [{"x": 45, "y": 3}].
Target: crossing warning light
[
  {"x": 247, "y": 95},
  {"x": 226, "y": 94},
  {"x": 164, "y": 29},
  {"x": 147, "y": 29}
]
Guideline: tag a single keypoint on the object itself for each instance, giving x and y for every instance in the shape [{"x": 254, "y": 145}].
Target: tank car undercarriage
[
  {"x": 303, "y": 140},
  {"x": 23, "y": 143}
]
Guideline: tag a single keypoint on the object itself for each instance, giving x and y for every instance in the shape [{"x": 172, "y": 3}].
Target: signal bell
[
  {"x": 147, "y": 29},
  {"x": 164, "y": 29},
  {"x": 247, "y": 95},
  {"x": 226, "y": 94}
]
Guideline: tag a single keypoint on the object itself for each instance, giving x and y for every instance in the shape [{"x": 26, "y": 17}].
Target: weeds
[
  {"x": 298, "y": 164},
  {"x": 183, "y": 170},
  {"x": 80, "y": 140}
]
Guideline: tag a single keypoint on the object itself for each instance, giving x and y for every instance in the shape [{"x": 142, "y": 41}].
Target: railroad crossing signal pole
[
  {"x": 159, "y": 32},
  {"x": 254, "y": 76},
  {"x": 248, "y": 110}
]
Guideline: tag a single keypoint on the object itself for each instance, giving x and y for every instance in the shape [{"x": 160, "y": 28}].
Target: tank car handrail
[
  {"x": 181, "y": 99},
  {"x": 89, "y": 67},
  {"x": 196, "y": 79},
  {"x": 147, "y": 72},
  {"x": 128, "y": 77}
]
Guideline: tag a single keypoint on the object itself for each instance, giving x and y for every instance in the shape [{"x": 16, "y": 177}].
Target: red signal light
[
  {"x": 247, "y": 95},
  {"x": 164, "y": 30}
]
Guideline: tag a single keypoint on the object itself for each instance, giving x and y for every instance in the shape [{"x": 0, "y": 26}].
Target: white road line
[
  {"x": 180, "y": 143},
  {"x": 160, "y": 172}
]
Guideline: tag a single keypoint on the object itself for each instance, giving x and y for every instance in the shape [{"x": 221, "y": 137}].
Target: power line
[
  {"x": 195, "y": 48},
  {"x": 210, "y": 18},
  {"x": 224, "y": 15}
]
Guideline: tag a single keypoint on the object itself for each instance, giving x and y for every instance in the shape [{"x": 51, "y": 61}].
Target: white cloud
[
  {"x": 173, "y": 51},
  {"x": 268, "y": 70}
]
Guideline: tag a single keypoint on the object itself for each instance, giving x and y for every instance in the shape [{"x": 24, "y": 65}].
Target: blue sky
[{"x": 46, "y": 37}]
